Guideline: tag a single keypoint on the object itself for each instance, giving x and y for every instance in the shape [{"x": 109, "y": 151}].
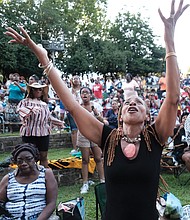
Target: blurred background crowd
[{"x": 108, "y": 93}]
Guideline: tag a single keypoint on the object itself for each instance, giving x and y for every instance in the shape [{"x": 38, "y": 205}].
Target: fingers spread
[
  {"x": 161, "y": 15},
  {"x": 172, "y": 12},
  {"x": 24, "y": 32}
]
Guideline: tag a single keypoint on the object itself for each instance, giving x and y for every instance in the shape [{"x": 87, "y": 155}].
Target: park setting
[
  {"x": 71, "y": 190},
  {"x": 94, "y": 110}
]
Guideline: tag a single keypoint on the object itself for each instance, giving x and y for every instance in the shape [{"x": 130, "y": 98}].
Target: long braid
[
  {"x": 173, "y": 138},
  {"x": 113, "y": 139},
  {"x": 116, "y": 134},
  {"x": 147, "y": 138},
  {"x": 111, "y": 147}
]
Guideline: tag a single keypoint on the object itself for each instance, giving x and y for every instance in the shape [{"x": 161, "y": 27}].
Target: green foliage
[
  {"x": 108, "y": 58},
  {"x": 92, "y": 43},
  {"x": 134, "y": 36},
  {"x": 17, "y": 58}
]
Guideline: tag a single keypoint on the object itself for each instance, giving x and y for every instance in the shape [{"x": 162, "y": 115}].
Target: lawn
[{"x": 73, "y": 191}]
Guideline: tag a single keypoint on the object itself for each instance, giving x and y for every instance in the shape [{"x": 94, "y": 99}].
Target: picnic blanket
[{"x": 71, "y": 162}]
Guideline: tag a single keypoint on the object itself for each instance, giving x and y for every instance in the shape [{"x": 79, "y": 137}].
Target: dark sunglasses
[
  {"x": 20, "y": 161},
  {"x": 35, "y": 89}
]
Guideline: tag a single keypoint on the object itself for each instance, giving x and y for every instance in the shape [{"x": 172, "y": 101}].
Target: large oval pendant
[{"x": 129, "y": 150}]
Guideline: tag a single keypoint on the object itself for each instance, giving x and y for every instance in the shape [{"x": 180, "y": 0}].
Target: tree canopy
[{"x": 91, "y": 42}]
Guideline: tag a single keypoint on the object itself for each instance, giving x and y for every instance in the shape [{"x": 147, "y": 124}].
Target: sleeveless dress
[
  {"x": 83, "y": 141},
  {"x": 26, "y": 201},
  {"x": 132, "y": 185}
]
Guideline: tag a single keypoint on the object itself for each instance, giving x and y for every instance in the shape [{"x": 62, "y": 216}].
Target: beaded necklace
[
  {"x": 130, "y": 150},
  {"x": 131, "y": 140}
]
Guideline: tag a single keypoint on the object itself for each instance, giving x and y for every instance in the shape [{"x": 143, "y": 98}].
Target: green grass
[
  {"x": 53, "y": 154},
  {"x": 60, "y": 153},
  {"x": 177, "y": 187},
  {"x": 4, "y": 156},
  {"x": 70, "y": 192},
  {"x": 9, "y": 134},
  {"x": 73, "y": 191}
]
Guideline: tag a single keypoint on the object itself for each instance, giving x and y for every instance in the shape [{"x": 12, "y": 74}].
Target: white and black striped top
[{"x": 26, "y": 201}]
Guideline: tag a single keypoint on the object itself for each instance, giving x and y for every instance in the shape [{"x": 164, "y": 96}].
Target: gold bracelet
[
  {"x": 45, "y": 66},
  {"x": 170, "y": 54},
  {"x": 48, "y": 69}
]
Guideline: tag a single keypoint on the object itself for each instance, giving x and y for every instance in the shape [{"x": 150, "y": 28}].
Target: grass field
[{"x": 70, "y": 192}]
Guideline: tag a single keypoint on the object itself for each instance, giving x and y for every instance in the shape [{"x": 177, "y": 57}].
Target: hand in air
[
  {"x": 25, "y": 40},
  {"x": 170, "y": 22}
]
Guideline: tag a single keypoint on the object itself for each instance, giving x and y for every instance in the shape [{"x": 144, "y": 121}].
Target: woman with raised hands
[{"x": 132, "y": 152}]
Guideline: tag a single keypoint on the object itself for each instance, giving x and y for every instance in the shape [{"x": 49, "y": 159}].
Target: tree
[
  {"x": 92, "y": 43},
  {"x": 134, "y": 36},
  {"x": 108, "y": 58},
  {"x": 17, "y": 58},
  {"x": 47, "y": 20}
]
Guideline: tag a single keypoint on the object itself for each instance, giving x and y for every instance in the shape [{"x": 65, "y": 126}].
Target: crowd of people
[
  {"x": 109, "y": 94},
  {"x": 125, "y": 121}
]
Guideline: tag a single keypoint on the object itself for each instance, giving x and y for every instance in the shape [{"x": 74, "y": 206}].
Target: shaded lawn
[{"x": 73, "y": 191}]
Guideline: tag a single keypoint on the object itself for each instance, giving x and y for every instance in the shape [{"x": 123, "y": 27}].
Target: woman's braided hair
[
  {"x": 116, "y": 134},
  {"x": 25, "y": 147}
]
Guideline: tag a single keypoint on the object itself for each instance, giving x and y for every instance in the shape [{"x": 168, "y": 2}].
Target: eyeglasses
[
  {"x": 21, "y": 160},
  {"x": 35, "y": 89}
]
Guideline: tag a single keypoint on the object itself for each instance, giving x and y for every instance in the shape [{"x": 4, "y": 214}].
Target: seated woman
[
  {"x": 29, "y": 192},
  {"x": 181, "y": 150}
]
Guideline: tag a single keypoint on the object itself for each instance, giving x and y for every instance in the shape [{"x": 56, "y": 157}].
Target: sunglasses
[
  {"x": 35, "y": 89},
  {"x": 20, "y": 161}
]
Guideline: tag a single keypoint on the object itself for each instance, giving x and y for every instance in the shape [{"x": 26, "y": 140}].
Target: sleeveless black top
[{"x": 132, "y": 185}]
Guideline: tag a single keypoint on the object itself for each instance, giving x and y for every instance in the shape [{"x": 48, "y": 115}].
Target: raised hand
[
  {"x": 171, "y": 21},
  {"x": 25, "y": 40},
  {"x": 17, "y": 38}
]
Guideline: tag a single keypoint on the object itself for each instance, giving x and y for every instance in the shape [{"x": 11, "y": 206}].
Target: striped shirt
[
  {"x": 36, "y": 117},
  {"x": 26, "y": 201}
]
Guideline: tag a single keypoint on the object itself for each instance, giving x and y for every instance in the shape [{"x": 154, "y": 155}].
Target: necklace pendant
[{"x": 129, "y": 151}]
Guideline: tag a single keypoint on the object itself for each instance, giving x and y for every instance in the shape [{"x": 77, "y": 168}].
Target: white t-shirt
[
  {"x": 127, "y": 87},
  {"x": 97, "y": 106}
]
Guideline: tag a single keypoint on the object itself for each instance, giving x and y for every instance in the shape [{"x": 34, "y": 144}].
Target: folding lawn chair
[
  {"x": 169, "y": 162},
  {"x": 183, "y": 180},
  {"x": 100, "y": 194}
]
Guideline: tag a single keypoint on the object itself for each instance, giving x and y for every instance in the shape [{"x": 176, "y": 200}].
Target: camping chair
[
  {"x": 181, "y": 169},
  {"x": 168, "y": 162},
  {"x": 100, "y": 194},
  {"x": 178, "y": 174}
]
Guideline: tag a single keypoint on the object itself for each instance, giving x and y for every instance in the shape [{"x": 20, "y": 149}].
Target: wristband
[{"x": 170, "y": 54}]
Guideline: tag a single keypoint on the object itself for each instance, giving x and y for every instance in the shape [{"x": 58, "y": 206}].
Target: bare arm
[
  {"x": 87, "y": 124},
  {"x": 3, "y": 188},
  {"x": 23, "y": 89},
  {"x": 56, "y": 121},
  {"x": 166, "y": 119},
  {"x": 51, "y": 195}
]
